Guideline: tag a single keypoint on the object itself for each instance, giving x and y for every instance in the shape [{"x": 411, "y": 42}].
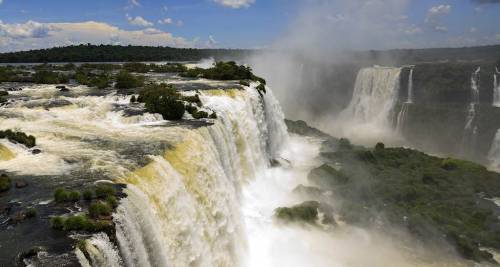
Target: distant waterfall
[
  {"x": 469, "y": 139},
  {"x": 403, "y": 113},
  {"x": 496, "y": 88},
  {"x": 182, "y": 209},
  {"x": 375, "y": 94}
]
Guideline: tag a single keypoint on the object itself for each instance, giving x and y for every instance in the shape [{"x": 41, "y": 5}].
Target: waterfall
[
  {"x": 470, "y": 130},
  {"x": 101, "y": 252},
  {"x": 403, "y": 113},
  {"x": 371, "y": 107},
  {"x": 496, "y": 88},
  {"x": 494, "y": 153},
  {"x": 182, "y": 209}
]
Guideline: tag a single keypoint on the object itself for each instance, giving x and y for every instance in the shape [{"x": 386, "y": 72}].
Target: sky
[{"x": 33, "y": 24}]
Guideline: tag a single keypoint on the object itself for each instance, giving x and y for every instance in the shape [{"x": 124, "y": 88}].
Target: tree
[{"x": 162, "y": 99}]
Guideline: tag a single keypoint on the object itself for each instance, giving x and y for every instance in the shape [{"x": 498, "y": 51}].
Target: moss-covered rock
[
  {"x": 306, "y": 212},
  {"x": 163, "y": 99},
  {"x": 327, "y": 177},
  {"x": 5, "y": 183}
]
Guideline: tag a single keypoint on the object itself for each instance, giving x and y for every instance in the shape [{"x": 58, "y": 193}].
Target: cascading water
[
  {"x": 469, "y": 139},
  {"x": 496, "y": 88},
  {"x": 403, "y": 113},
  {"x": 372, "y": 104},
  {"x": 182, "y": 208}
]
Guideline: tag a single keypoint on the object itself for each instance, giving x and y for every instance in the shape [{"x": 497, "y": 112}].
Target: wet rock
[
  {"x": 274, "y": 163},
  {"x": 21, "y": 184},
  {"x": 36, "y": 151},
  {"x": 28, "y": 254},
  {"x": 17, "y": 218},
  {"x": 55, "y": 103},
  {"x": 62, "y": 88}
]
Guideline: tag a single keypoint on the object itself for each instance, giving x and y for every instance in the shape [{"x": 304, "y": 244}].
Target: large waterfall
[
  {"x": 183, "y": 208},
  {"x": 372, "y": 104}
]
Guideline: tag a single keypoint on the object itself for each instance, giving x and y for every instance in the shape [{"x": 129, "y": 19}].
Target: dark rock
[
  {"x": 274, "y": 163},
  {"x": 62, "y": 88},
  {"x": 18, "y": 217},
  {"x": 21, "y": 184},
  {"x": 5, "y": 183},
  {"x": 36, "y": 151},
  {"x": 32, "y": 252}
]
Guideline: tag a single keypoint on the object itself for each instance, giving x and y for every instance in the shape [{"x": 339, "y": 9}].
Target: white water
[
  {"x": 403, "y": 113},
  {"x": 183, "y": 208},
  {"x": 496, "y": 88},
  {"x": 469, "y": 138},
  {"x": 372, "y": 104}
]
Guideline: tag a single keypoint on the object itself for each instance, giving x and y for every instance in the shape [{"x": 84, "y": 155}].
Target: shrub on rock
[
  {"x": 163, "y": 99},
  {"x": 306, "y": 212},
  {"x": 61, "y": 195},
  {"x": 5, "y": 183}
]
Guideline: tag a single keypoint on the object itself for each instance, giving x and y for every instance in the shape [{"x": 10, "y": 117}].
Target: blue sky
[{"x": 28, "y": 24}]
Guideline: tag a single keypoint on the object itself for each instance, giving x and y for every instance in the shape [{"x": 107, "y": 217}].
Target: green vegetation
[
  {"x": 5, "y": 183},
  {"x": 49, "y": 77},
  {"x": 162, "y": 99},
  {"x": 125, "y": 80},
  {"x": 115, "y": 53},
  {"x": 327, "y": 176},
  {"x": 86, "y": 77},
  {"x": 74, "y": 196},
  {"x": 416, "y": 191},
  {"x": 306, "y": 212},
  {"x": 57, "y": 222},
  {"x": 31, "y": 213},
  {"x": 99, "y": 209},
  {"x": 225, "y": 71},
  {"x": 87, "y": 194},
  {"x": 102, "y": 191},
  {"x": 61, "y": 195},
  {"x": 19, "y": 137},
  {"x": 112, "y": 201}
]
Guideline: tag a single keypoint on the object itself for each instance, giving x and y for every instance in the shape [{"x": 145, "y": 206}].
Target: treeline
[
  {"x": 115, "y": 53},
  {"x": 413, "y": 56}
]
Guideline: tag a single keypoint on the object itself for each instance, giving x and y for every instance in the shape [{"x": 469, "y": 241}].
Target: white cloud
[
  {"x": 440, "y": 28},
  {"x": 165, "y": 21},
  {"x": 435, "y": 15},
  {"x": 473, "y": 30},
  {"x": 235, "y": 3},
  {"x": 138, "y": 21},
  {"x": 439, "y": 10},
  {"x": 1, "y": 1},
  {"x": 412, "y": 29},
  {"x": 30, "y": 29},
  {"x": 59, "y": 34},
  {"x": 132, "y": 3}
]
